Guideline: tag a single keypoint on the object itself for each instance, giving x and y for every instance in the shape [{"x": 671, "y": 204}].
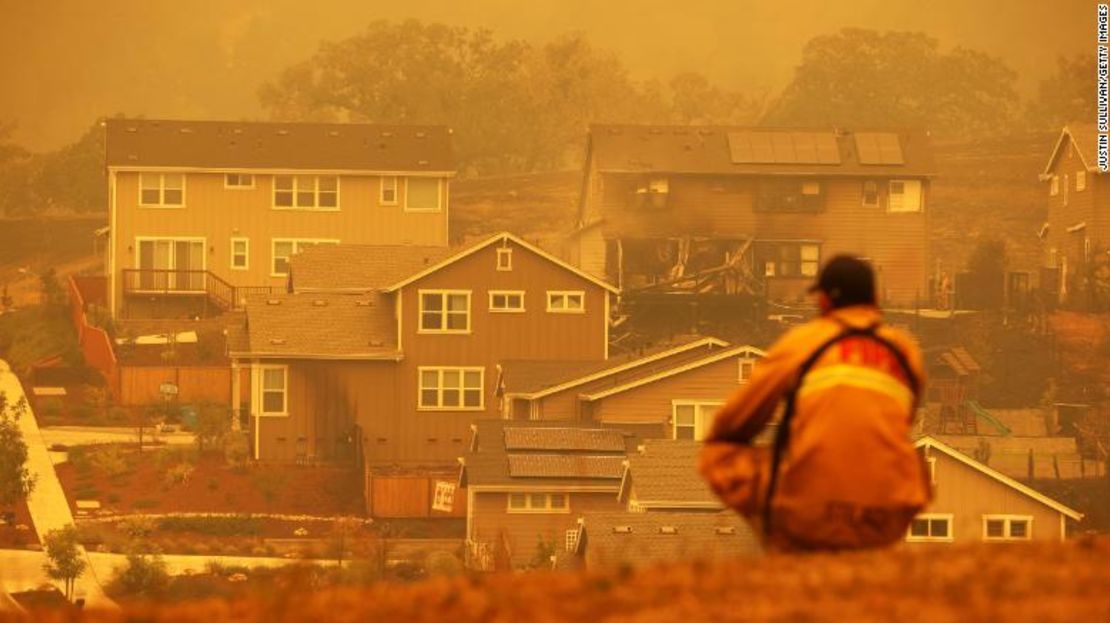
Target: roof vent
[
  {"x": 273, "y": 301},
  {"x": 387, "y": 133},
  {"x": 132, "y": 157},
  {"x": 364, "y": 303},
  {"x": 726, "y": 530},
  {"x": 319, "y": 303},
  {"x": 376, "y": 343},
  {"x": 422, "y": 163},
  {"x": 277, "y": 341},
  {"x": 283, "y": 132},
  {"x": 421, "y": 134},
  {"x": 237, "y": 131},
  {"x": 333, "y": 132},
  {"x": 622, "y": 529},
  {"x": 186, "y": 130},
  {"x": 132, "y": 129},
  {"x": 668, "y": 530}
]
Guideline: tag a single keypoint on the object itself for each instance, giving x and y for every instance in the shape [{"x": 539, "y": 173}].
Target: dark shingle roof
[
  {"x": 707, "y": 150},
  {"x": 563, "y": 438},
  {"x": 621, "y": 538},
  {"x": 363, "y": 268},
  {"x": 665, "y": 471},
  {"x": 566, "y": 466},
  {"x": 321, "y": 325},
  {"x": 273, "y": 145}
]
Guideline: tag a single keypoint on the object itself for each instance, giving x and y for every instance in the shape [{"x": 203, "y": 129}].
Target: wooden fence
[
  {"x": 140, "y": 385},
  {"x": 95, "y": 344},
  {"x": 409, "y": 495}
]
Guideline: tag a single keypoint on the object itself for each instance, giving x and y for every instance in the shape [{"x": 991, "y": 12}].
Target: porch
[{"x": 170, "y": 293}]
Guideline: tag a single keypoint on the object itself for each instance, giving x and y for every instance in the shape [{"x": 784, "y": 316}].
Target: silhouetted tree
[{"x": 1067, "y": 95}]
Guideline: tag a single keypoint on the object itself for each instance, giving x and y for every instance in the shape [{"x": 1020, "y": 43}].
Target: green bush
[
  {"x": 236, "y": 525},
  {"x": 110, "y": 460},
  {"x": 178, "y": 474},
  {"x": 143, "y": 576}
]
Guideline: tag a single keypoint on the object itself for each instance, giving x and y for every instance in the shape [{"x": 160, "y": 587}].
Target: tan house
[
  {"x": 616, "y": 540},
  {"x": 1077, "y": 234},
  {"x": 391, "y": 360},
  {"x": 755, "y": 211},
  {"x": 205, "y": 213},
  {"x": 974, "y": 502}
]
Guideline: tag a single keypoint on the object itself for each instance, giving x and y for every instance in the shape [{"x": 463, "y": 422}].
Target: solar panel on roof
[
  {"x": 565, "y": 466},
  {"x": 879, "y": 148},
  {"x": 565, "y": 438},
  {"x": 768, "y": 147}
]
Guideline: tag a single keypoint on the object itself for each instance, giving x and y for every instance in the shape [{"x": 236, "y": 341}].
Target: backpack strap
[{"x": 782, "y": 435}]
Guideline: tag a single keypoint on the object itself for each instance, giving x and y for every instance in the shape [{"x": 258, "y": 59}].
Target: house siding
[{"x": 1070, "y": 208}]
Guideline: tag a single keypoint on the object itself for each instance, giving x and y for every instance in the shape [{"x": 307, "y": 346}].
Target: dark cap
[{"x": 846, "y": 280}]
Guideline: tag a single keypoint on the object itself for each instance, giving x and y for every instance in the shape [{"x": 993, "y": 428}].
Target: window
[
  {"x": 240, "y": 253},
  {"x": 905, "y": 196},
  {"x": 789, "y": 195},
  {"x": 444, "y": 311},
  {"x": 1007, "y": 527},
  {"x": 538, "y": 503},
  {"x": 422, "y": 194},
  {"x": 930, "y": 527},
  {"x": 506, "y": 301},
  {"x": 1054, "y": 186},
  {"x": 504, "y": 259},
  {"x": 1080, "y": 180},
  {"x": 238, "y": 180},
  {"x": 691, "y": 419},
  {"x": 451, "y": 389},
  {"x": 285, "y": 248},
  {"x": 273, "y": 390},
  {"x": 870, "y": 194},
  {"x": 162, "y": 189},
  {"x": 571, "y": 540},
  {"x": 311, "y": 192},
  {"x": 789, "y": 259},
  {"x": 560, "y": 302},
  {"x": 747, "y": 365},
  {"x": 389, "y": 190},
  {"x": 444, "y": 498}
]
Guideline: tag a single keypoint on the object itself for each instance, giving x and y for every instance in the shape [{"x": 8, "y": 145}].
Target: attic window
[{"x": 504, "y": 259}]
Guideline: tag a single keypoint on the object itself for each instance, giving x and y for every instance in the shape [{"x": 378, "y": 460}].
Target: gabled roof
[
  {"x": 245, "y": 145},
  {"x": 318, "y": 326},
  {"x": 736, "y": 150},
  {"x": 663, "y": 474},
  {"x": 502, "y": 237},
  {"x": 616, "y": 539},
  {"x": 933, "y": 443},
  {"x": 1085, "y": 138},
  {"x": 640, "y": 378},
  {"x": 359, "y": 268}
]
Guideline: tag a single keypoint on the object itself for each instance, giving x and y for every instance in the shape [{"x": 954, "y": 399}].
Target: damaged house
[{"x": 752, "y": 211}]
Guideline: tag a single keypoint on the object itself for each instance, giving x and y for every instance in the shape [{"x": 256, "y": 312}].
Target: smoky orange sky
[{"x": 65, "y": 62}]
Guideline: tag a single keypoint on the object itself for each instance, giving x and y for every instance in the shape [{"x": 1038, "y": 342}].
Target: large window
[
  {"x": 1007, "y": 527},
  {"x": 566, "y": 302},
  {"x": 691, "y": 419},
  {"x": 285, "y": 248},
  {"x": 539, "y": 503},
  {"x": 274, "y": 387},
  {"x": 422, "y": 194},
  {"x": 789, "y": 259},
  {"x": 451, "y": 388},
  {"x": 444, "y": 311},
  {"x": 930, "y": 527},
  {"x": 175, "y": 264},
  {"x": 905, "y": 196},
  {"x": 162, "y": 189},
  {"x": 310, "y": 192},
  {"x": 790, "y": 195}
]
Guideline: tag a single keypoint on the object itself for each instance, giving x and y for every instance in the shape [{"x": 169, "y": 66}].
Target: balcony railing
[{"x": 188, "y": 283}]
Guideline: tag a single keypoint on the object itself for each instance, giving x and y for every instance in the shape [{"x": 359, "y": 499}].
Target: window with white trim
[
  {"x": 690, "y": 419},
  {"x": 444, "y": 311},
  {"x": 451, "y": 388},
  {"x": 870, "y": 194},
  {"x": 930, "y": 527},
  {"x": 306, "y": 192},
  {"x": 388, "y": 196},
  {"x": 504, "y": 259},
  {"x": 1054, "y": 185},
  {"x": 281, "y": 249},
  {"x": 506, "y": 301},
  {"x": 571, "y": 540},
  {"x": 747, "y": 365},
  {"x": 240, "y": 253},
  {"x": 904, "y": 196},
  {"x": 566, "y": 302},
  {"x": 162, "y": 189},
  {"x": 538, "y": 503},
  {"x": 1080, "y": 180},
  {"x": 423, "y": 194},
  {"x": 274, "y": 387},
  {"x": 1007, "y": 527},
  {"x": 238, "y": 180}
]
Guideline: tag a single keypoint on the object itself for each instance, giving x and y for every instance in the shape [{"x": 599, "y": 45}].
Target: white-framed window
[
  {"x": 566, "y": 301},
  {"x": 162, "y": 189},
  {"x": 1054, "y": 185},
  {"x": 388, "y": 192},
  {"x": 274, "y": 390},
  {"x": 931, "y": 527},
  {"x": 451, "y": 388},
  {"x": 905, "y": 196},
  {"x": 1007, "y": 527},
  {"x": 1080, "y": 180},
  {"x": 423, "y": 194},
  {"x": 306, "y": 192},
  {"x": 746, "y": 367},
  {"x": 538, "y": 503},
  {"x": 281, "y": 249},
  {"x": 506, "y": 301},
  {"x": 240, "y": 253},
  {"x": 505, "y": 259},
  {"x": 238, "y": 180},
  {"x": 690, "y": 419},
  {"x": 571, "y": 540},
  {"x": 870, "y": 194},
  {"x": 444, "y": 311},
  {"x": 176, "y": 264}
]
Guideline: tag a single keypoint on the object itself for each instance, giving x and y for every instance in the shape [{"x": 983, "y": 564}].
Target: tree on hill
[
  {"x": 866, "y": 78},
  {"x": 16, "y": 481},
  {"x": 1067, "y": 95}
]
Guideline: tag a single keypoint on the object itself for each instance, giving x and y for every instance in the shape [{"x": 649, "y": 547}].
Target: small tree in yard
[
  {"x": 213, "y": 426},
  {"x": 65, "y": 561},
  {"x": 344, "y": 533},
  {"x": 16, "y": 481}
]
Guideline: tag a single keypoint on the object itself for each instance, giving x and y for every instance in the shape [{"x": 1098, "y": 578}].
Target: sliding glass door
[{"x": 170, "y": 264}]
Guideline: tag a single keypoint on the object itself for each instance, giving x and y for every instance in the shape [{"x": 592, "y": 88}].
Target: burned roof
[
  {"x": 274, "y": 145},
  {"x": 615, "y": 539},
  {"x": 734, "y": 150},
  {"x": 305, "y": 326},
  {"x": 663, "y": 473},
  {"x": 553, "y": 437},
  {"x": 360, "y": 268}
]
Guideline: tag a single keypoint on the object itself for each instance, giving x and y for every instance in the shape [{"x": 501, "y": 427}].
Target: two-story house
[
  {"x": 1076, "y": 235},
  {"x": 204, "y": 213},
  {"x": 734, "y": 210},
  {"x": 393, "y": 356}
]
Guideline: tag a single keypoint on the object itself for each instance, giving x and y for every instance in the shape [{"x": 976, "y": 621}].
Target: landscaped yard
[{"x": 16, "y": 529}]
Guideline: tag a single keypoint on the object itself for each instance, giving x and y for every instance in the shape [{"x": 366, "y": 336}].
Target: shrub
[
  {"x": 175, "y": 455},
  {"x": 110, "y": 460},
  {"x": 178, "y": 474},
  {"x": 442, "y": 563},
  {"x": 79, "y": 459},
  {"x": 144, "y": 575},
  {"x": 137, "y": 527},
  {"x": 236, "y": 448}
]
